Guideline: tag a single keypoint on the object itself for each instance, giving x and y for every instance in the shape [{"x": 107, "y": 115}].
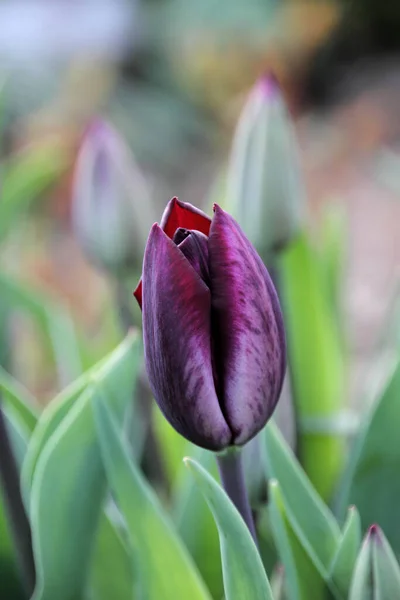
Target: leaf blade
[{"x": 244, "y": 574}]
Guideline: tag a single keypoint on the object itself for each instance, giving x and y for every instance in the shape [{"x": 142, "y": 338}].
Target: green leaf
[
  {"x": 50, "y": 419},
  {"x": 386, "y": 571},
  {"x": 333, "y": 244},
  {"x": 347, "y": 551},
  {"x": 18, "y": 401},
  {"x": 69, "y": 484},
  {"x": 371, "y": 480},
  {"x": 244, "y": 574},
  {"x": 361, "y": 584},
  {"x": 54, "y": 323},
  {"x": 313, "y": 522},
  {"x": 301, "y": 576},
  {"x": 314, "y": 350},
  {"x": 377, "y": 573},
  {"x": 195, "y": 523},
  {"x": 173, "y": 445},
  {"x": 165, "y": 568},
  {"x": 111, "y": 572},
  {"x": 10, "y": 580},
  {"x": 25, "y": 177}
]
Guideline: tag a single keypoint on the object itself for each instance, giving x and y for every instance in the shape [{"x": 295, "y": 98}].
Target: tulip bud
[
  {"x": 377, "y": 572},
  {"x": 110, "y": 204},
  {"x": 213, "y": 332},
  {"x": 264, "y": 188}
]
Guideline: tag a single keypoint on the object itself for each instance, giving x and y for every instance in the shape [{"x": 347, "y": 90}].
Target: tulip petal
[
  {"x": 182, "y": 214},
  {"x": 177, "y": 338},
  {"x": 195, "y": 248},
  {"x": 178, "y": 214},
  {"x": 248, "y": 329}
]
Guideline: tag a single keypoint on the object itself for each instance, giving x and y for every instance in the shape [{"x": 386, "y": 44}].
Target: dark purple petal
[
  {"x": 177, "y": 337},
  {"x": 178, "y": 214},
  {"x": 247, "y": 329},
  {"x": 194, "y": 246}
]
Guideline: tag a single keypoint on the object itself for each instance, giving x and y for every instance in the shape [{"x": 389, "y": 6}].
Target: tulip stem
[
  {"x": 230, "y": 468},
  {"x": 19, "y": 524}
]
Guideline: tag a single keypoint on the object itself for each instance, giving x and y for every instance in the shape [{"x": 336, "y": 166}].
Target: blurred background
[{"x": 172, "y": 76}]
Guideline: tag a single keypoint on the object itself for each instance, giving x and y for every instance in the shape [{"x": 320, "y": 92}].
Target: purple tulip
[{"x": 213, "y": 331}]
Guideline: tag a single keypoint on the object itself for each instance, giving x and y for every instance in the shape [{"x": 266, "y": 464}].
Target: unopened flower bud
[
  {"x": 264, "y": 187},
  {"x": 377, "y": 572},
  {"x": 214, "y": 340},
  {"x": 111, "y": 212}
]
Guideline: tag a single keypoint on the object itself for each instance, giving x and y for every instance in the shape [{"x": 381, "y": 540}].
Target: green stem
[
  {"x": 231, "y": 471},
  {"x": 20, "y": 527}
]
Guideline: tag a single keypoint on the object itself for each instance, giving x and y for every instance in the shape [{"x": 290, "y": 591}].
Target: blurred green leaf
[
  {"x": 347, "y": 551},
  {"x": 111, "y": 572},
  {"x": 54, "y": 323},
  {"x": 69, "y": 485},
  {"x": 377, "y": 573},
  {"x": 10, "y": 580},
  {"x": 195, "y": 523},
  {"x": 386, "y": 570},
  {"x": 371, "y": 480},
  {"x": 50, "y": 419},
  {"x": 316, "y": 363},
  {"x": 301, "y": 575},
  {"x": 314, "y": 524},
  {"x": 172, "y": 444},
  {"x": 332, "y": 255},
  {"x": 25, "y": 177},
  {"x": 164, "y": 565},
  {"x": 361, "y": 588},
  {"x": 244, "y": 574},
  {"x": 18, "y": 400}
]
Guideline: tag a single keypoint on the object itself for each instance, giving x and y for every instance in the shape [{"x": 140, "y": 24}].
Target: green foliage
[
  {"x": 244, "y": 575},
  {"x": 343, "y": 562},
  {"x": 301, "y": 575},
  {"x": 68, "y": 485},
  {"x": 370, "y": 480},
  {"x": 25, "y": 177},
  {"x": 164, "y": 566},
  {"x": 54, "y": 324},
  {"x": 194, "y": 521},
  {"x": 377, "y": 573},
  {"x": 316, "y": 363}
]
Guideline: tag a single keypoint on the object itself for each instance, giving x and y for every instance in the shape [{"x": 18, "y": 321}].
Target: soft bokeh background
[{"x": 172, "y": 75}]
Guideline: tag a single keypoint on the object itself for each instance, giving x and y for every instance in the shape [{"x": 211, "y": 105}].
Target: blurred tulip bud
[
  {"x": 111, "y": 211},
  {"x": 264, "y": 188},
  {"x": 214, "y": 341},
  {"x": 377, "y": 572}
]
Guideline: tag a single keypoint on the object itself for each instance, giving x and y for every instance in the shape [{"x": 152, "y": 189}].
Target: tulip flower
[
  {"x": 213, "y": 332},
  {"x": 110, "y": 205},
  {"x": 265, "y": 190}
]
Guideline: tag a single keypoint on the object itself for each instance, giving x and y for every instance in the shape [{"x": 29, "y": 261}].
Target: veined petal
[
  {"x": 194, "y": 246},
  {"x": 177, "y": 339},
  {"x": 182, "y": 214},
  {"x": 178, "y": 214},
  {"x": 247, "y": 329}
]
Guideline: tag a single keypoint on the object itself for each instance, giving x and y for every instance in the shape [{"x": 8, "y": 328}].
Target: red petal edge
[
  {"x": 182, "y": 214},
  {"x": 179, "y": 214}
]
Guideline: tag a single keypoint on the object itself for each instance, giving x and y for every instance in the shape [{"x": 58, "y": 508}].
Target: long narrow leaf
[
  {"x": 244, "y": 574},
  {"x": 165, "y": 567}
]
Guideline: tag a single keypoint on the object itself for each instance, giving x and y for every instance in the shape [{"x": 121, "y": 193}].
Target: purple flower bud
[
  {"x": 212, "y": 325},
  {"x": 110, "y": 207}
]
